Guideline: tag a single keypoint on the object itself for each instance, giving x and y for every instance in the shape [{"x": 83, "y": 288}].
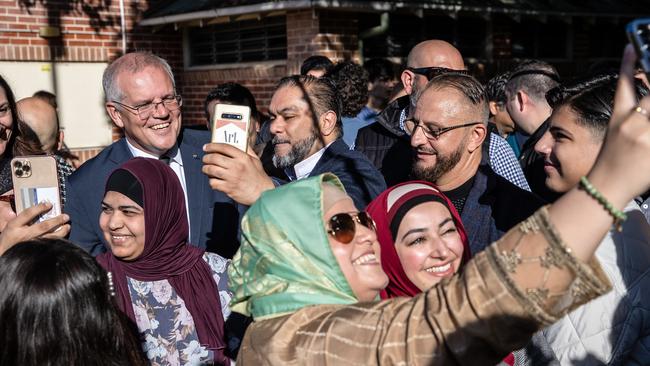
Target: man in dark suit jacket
[
  {"x": 448, "y": 128},
  {"x": 141, "y": 99},
  {"x": 306, "y": 124}
]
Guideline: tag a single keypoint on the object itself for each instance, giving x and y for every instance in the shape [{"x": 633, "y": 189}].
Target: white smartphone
[
  {"x": 36, "y": 180},
  {"x": 230, "y": 125}
]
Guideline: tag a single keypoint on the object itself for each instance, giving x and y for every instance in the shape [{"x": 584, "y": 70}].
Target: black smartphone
[{"x": 638, "y": 32}]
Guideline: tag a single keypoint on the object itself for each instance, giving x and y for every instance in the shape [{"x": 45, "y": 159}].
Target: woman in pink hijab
[{"x": 422, "y": 238}]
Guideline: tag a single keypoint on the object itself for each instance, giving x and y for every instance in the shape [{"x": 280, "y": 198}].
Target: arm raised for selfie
[{"x": 539, "y": 271}]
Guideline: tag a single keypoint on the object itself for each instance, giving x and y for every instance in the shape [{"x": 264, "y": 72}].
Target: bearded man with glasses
[
  {"x": 142, "y": 100},
  {"x": 447, "y": 130},
  {"x": 385, "y": 142}
]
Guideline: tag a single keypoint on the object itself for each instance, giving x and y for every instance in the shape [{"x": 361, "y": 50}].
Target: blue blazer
[
  {"x": 214, "y": 217},
  {"x": 362, "y": 181}
]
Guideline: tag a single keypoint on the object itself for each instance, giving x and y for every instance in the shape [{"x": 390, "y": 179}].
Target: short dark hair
[
  {"x": 315, "y": 63},
  {"x": 380, "y": 69},
  {"x": 319, "y": 93},
  {"x": 56, "y": 308},
  {"x": 496, "y": 88},
  {"x": 351, "y": 81},
  {"x": 232, "y": 93},
  {"x": 11, "y": 100},
  {"x": 592, "y": 100},
  {"x": 535, "y": 77},
  {"x": 467, "y": 85}
]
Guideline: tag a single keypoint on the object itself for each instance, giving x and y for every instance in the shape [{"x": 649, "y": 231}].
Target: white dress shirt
[
  {"x": 304, "y": 168},
  {"x": 175, "y": 162}
]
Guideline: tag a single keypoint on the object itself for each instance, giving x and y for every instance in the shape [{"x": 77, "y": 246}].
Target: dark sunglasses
[
  {"x": 431, "y": 72},
  {"x": 343, "y": 226}
]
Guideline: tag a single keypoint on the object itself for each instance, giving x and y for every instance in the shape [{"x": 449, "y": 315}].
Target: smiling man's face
[{"x": 158, "y": 133}]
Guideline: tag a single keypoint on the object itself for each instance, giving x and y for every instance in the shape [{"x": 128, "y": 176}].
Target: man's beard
[
  {"x": 443, "y": 165},
  {"x": 297, "y": 153}
]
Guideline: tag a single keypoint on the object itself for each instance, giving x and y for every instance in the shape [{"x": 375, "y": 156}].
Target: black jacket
[
  {"x": 361, "y": 180},
  {"x": 386, "y": 145},
  {"x": 493, "y": 207}
]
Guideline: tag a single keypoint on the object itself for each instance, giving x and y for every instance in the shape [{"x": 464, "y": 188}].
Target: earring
[{"x": 111, "y": 287}]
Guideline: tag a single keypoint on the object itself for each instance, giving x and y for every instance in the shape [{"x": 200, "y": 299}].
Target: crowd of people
[{"x": 381, "y": 215}]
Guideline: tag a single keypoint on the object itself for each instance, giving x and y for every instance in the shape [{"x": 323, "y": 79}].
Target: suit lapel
[
  {"x": 325, "y": 162},
  {"x": 196, "y": 186},
  {"x": 120, "y": 152}
]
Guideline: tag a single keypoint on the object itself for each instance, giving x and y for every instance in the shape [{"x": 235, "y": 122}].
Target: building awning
[{"x": 182, "y": 12}]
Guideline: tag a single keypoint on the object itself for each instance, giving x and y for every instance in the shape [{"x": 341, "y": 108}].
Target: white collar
[
  {"x": 304, "y": 168},
  {"x": 174, "y": 152}
]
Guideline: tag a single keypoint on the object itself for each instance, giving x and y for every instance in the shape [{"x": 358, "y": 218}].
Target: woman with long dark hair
[{"x": 56, "y": 308}]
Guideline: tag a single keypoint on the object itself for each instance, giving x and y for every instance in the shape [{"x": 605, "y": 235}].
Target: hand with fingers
[
  {"x": 21, "y": 228},
  {"x": 238, "y": 174}
]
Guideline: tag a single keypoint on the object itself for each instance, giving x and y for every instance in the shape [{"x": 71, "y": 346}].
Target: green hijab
[{"x": 285, "y": 261}]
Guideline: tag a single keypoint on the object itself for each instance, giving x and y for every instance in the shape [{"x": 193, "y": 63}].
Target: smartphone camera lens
[{"x": 27, "y": 168}]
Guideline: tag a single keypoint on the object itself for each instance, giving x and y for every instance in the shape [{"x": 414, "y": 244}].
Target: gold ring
[{"x": 644, "y": 112}]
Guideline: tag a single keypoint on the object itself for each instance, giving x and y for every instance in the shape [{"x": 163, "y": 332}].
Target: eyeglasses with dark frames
[
  {"x": 432, "y": 134},
  {"x": 433, "y": 71},
  {"x": 342, "y": 226},
  {"x": 144, "y": 111}
]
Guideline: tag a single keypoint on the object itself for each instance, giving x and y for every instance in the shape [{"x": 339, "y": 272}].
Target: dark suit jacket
[
  {"x": 362, "y": 181},
  {"x": 386, "y": 145},
  {"x": 493, "y": 207},
  {"x": 214, "y": 217}
]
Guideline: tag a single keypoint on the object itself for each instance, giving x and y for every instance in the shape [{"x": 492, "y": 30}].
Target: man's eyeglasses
[
  {"x": 343, "y": 226},
  {"x": 144, "y": 111},
  {"x": 432, "y": 134},
  {"x": 431, "y": 72}
]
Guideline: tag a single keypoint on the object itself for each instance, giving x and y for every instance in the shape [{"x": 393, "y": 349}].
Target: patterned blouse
[{"x": 166, "y": 326}]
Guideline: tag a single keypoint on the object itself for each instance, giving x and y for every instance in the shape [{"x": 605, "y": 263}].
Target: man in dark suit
[
  {"x": 141, "y": 99},
  {"x": 306, "y": 124},
  {"x": 447, "y": 129}
]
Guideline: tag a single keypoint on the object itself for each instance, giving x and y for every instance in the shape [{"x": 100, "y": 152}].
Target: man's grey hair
[
  {"x": 535, "y": 78},
  {"x": 132, "y": 63}
]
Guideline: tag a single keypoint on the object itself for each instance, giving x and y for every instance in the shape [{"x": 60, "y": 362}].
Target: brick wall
[
  {"x": 89, "y": 33},
  {"x": 260, "y": 79},
  {"x": 92, "y": 33},
  {"x": 321, "y": 32},
  {"x": 309, "y": 32}
]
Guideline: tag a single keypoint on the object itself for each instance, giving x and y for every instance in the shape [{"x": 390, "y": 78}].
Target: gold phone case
[{"x": 36, "y": 180}]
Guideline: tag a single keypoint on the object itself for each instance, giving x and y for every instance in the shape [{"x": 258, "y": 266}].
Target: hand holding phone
[
  {"x": 36, "y": 180},
  {"x": 230, "y": 125}
]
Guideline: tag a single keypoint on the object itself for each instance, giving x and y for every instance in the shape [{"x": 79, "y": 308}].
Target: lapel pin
[{"x": 195, "y": 156}]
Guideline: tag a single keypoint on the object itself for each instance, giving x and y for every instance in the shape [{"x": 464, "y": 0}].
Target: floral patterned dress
[{"x": 166, "y": 326}]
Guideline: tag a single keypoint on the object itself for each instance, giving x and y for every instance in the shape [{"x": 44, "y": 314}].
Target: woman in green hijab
[{"x": 308, "y": 270}]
